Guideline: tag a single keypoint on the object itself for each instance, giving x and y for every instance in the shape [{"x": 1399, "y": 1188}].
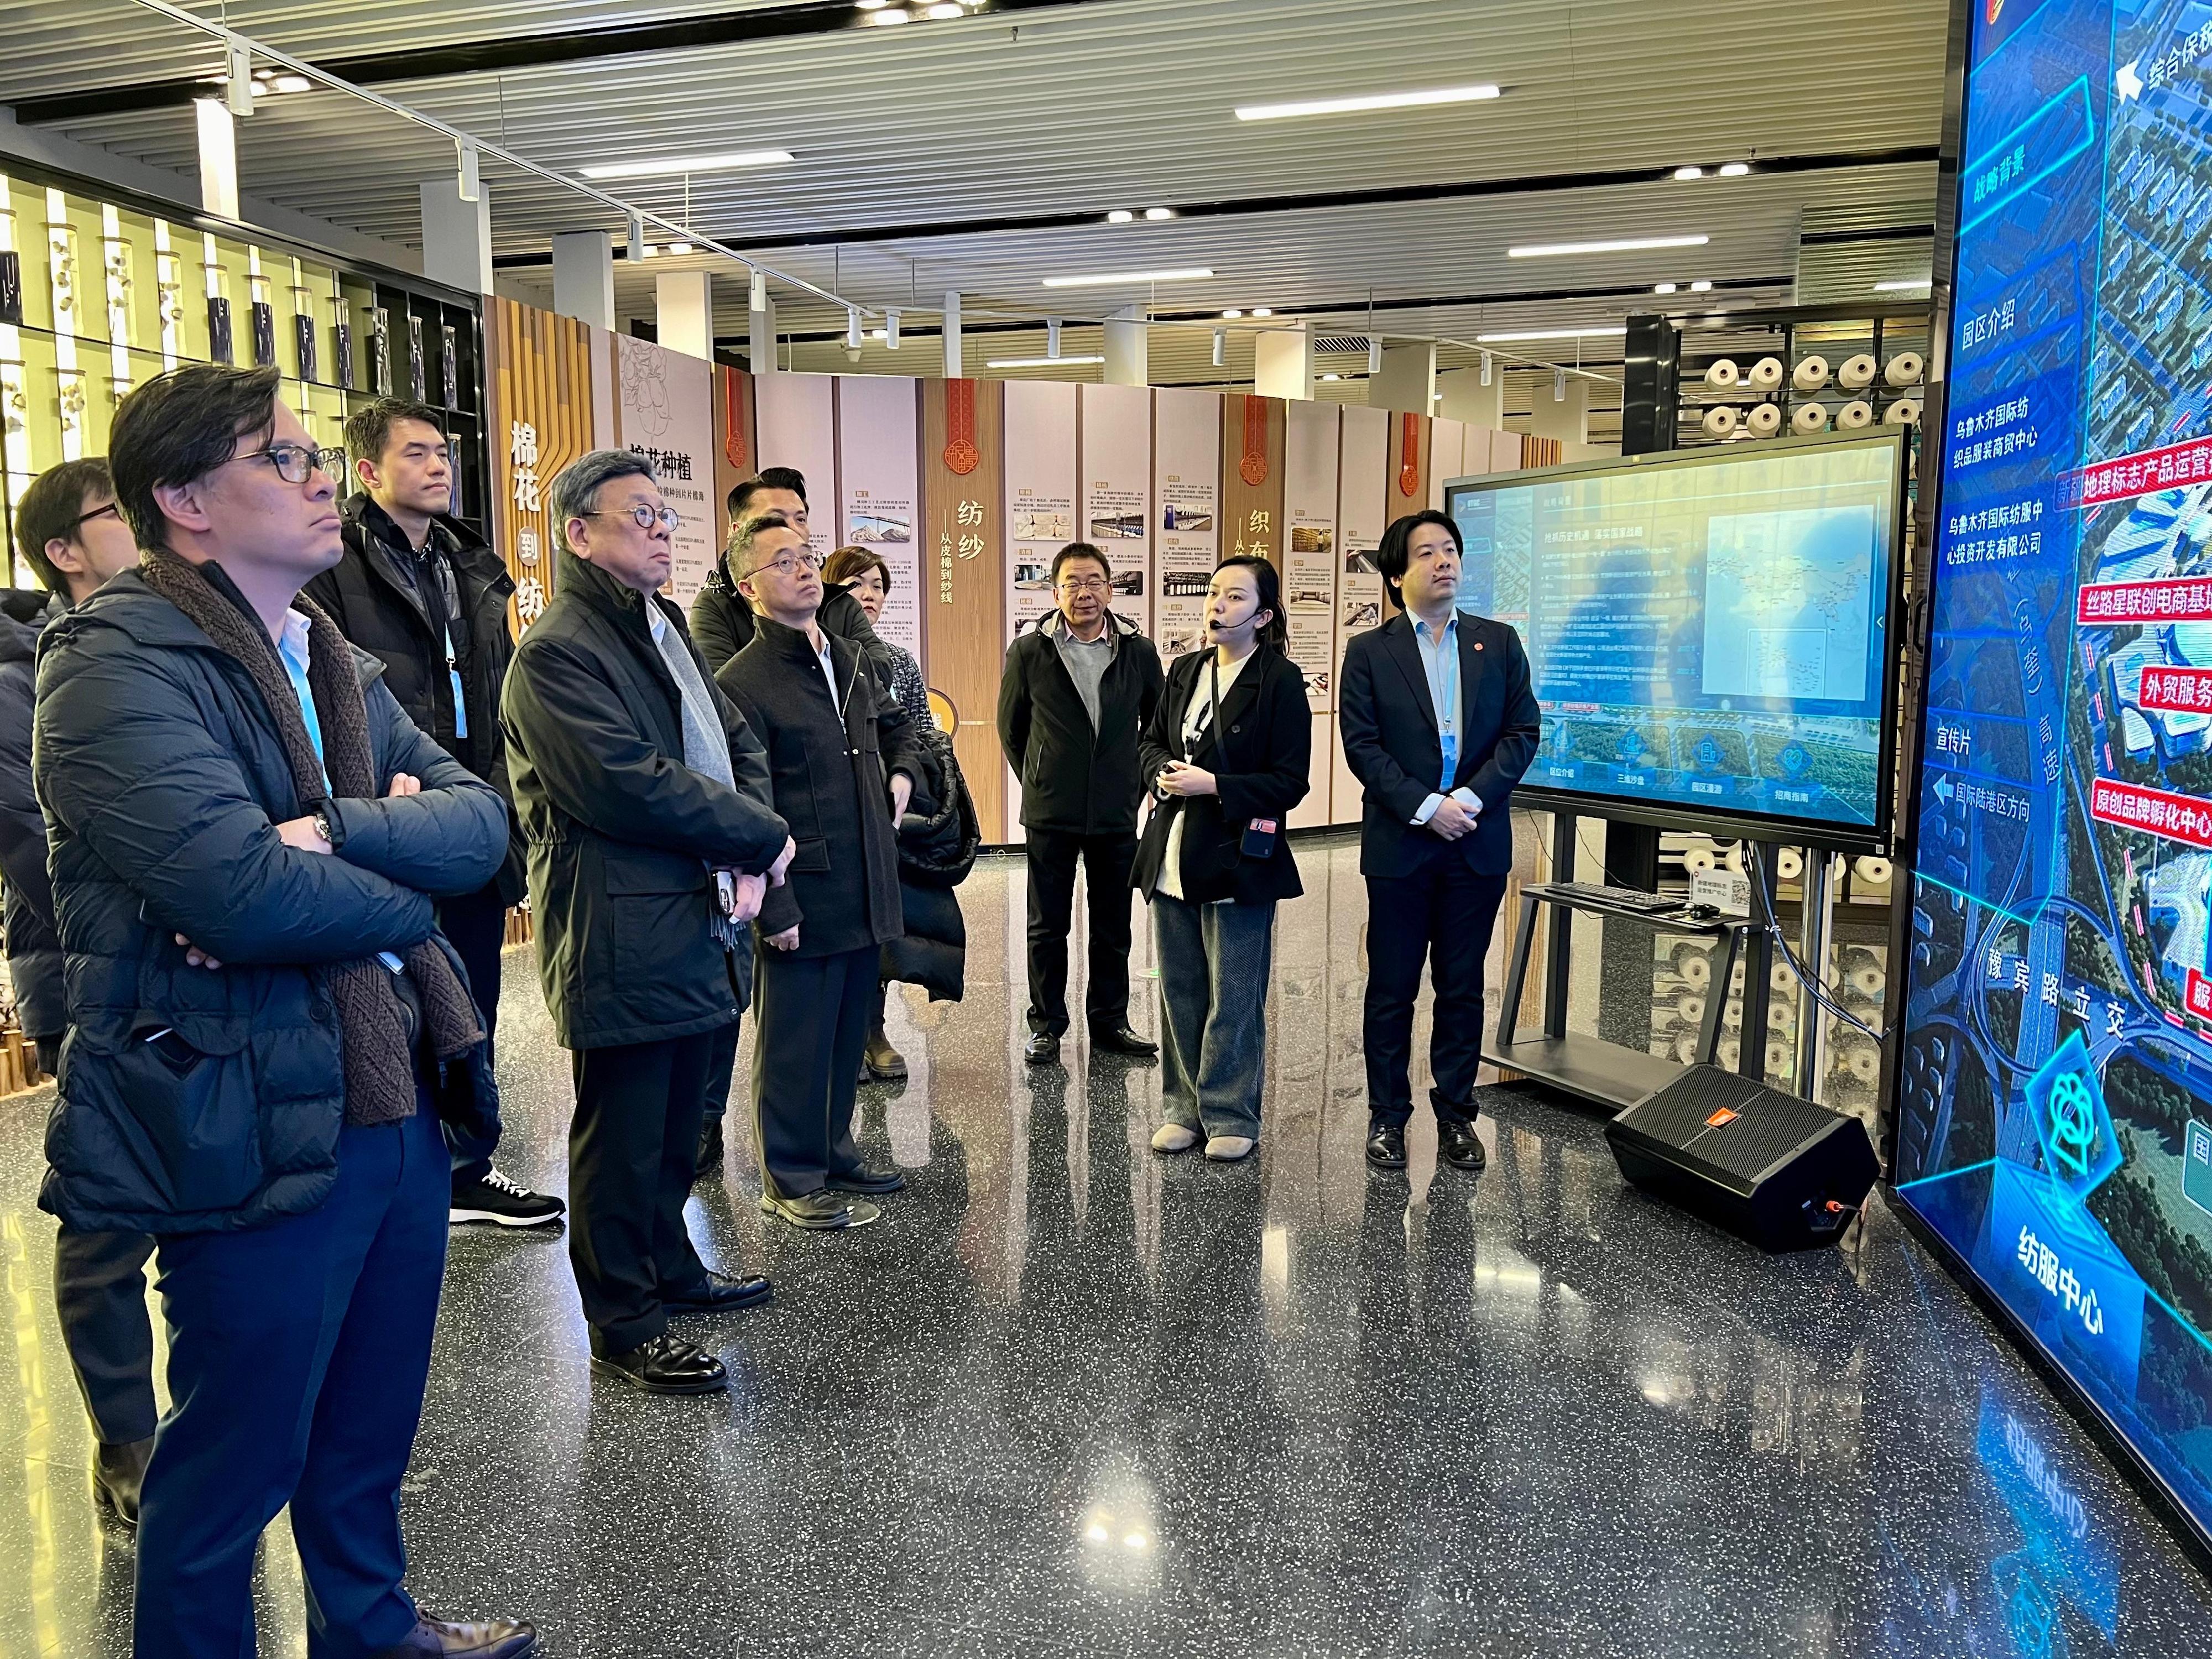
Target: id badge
[
  {"x": 460, "y": 705},
  {"x": 1259, "y": 835},
  {"x": 1450, "y": 741}
]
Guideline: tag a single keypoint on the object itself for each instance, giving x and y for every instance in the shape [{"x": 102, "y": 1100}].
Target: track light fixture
[
  {"x": 1220, "y": 346},
  {"x": 1052, "y": 337},
  {"x": 1374, "y": 354}
]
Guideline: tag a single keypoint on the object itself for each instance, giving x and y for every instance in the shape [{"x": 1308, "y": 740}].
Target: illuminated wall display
[{"x": 2055, "y": 1118}]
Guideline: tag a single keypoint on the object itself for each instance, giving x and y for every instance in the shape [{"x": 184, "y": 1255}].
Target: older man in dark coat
[
  {"x": 839, "y": 753},
  {"x": 645, "y": 801}
]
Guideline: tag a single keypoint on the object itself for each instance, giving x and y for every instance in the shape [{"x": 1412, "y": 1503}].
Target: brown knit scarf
[{"x": 380, "y": 1072}]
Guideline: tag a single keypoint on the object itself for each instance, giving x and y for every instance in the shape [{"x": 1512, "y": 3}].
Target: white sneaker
[
  {"x": 1227, "y": 1149},
  {"x": 1174, "y": 1138}
]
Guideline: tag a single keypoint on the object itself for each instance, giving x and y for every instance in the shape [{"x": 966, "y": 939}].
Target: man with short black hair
[
  {"x": 841, "y": 764},
  {"x": 1075, "y": 693},
  {"x": 246, "y": 833},
  {"x": 652, "y": 841},
  {"x": 1439, "y": 722},
  {"x": 428, "y": 598},
  {"x": 69, "y": 532}
]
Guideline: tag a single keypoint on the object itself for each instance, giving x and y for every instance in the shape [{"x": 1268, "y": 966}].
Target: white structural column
[
  {"x": 1128, "y": 348},
  {"x": 952, "y": 371},
  {"x": 584, "y": 277},
  {"x": 684, "y": 313},
  {"x": 1282, "y": 362},
  {"x": 1407, "y": 379},
  {"x": 1466, "y": 398},
  {"x": 456, "y": 236},
  {"x": 1565, "y": 418},
  {"x": 218, "y": 140}
]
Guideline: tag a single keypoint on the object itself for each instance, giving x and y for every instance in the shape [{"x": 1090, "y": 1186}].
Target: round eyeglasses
[{"x": 642, "y": 516}]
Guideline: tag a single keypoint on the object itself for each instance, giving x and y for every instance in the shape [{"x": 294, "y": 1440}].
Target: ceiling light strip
[{"x": 1426, "y": 98}]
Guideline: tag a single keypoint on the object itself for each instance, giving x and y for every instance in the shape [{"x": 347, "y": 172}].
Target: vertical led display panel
[{"x": 2055, "y": 1104}]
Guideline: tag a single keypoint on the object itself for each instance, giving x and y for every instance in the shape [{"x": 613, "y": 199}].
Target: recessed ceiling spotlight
[
  {"x": 947, "y": 9},
  {"x": 1332, "y": 377},
  {"x": 1735, "y": 169},
  {"x": 664, "y": 166},
  {"x": 1689, "y": 173},
  {"x": 651, "y": 252},
  {"x": 1631, "y": 244},
  {"x": 1232, "y": 312},
  {"x": 291, "y": 83},
  {"x": 1119, "y": 216},
  {"x": 1263, "y": 311},
  {"x": 873, "y": 5},
  {"x": 1701, "y": 288},
  {"x": 1664, "y": 288},
  {"x": 1368, "y": 102},
  {"x": 879, "y": 334},
  {"x": 1127, "y": 278},
  {"x": 1158, "y": 214},
  {"x": 892, "y": 15}
]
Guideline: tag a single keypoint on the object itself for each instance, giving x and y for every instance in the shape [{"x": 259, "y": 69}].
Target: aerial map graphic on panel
[{"x": 2056, "y": 1109}]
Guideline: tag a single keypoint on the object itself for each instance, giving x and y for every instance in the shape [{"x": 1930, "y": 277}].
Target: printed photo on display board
[
  {"x": 1040, "y": 495},
  {"x": 2055, "y": 1108},
  {"x": 880, "y": 490},
  {"x": 1308, "y": 559},
  {"x": 1186, "y": 472},
  {"x": 1116, "y": 475}
]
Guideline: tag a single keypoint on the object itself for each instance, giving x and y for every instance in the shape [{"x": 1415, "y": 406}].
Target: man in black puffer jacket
[
  {"x": 427, "y": 596},
  {"x": 68, "y": 530},
  {"x": 264, "y": 1021}
]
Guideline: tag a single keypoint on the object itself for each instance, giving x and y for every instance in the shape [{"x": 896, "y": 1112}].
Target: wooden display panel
[{"x": 963, "y": 592}]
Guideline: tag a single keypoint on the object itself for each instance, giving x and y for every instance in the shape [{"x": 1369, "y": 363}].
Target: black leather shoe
[
  {"x": 864, "y": 1180},
  {"x": 487, "y": 1638},
  {"x": 1042, "y": 1049},
  {"x": 1386, "y": 1145},
  {"x": 1458, "y": 1145},
  {"x": 716, "y": 1294},
  {"x": 819, "y": 1212},
  {"x": 1121, "y": 1040},
  {"x": 119, "y": 1473},
  {"x": 666, "y": 1365},
  {"x": 708, "y": 1160}
]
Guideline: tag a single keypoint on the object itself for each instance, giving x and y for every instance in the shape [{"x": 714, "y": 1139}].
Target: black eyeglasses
[
  {"x": 296, "y": 463},
  {"x": 97, "y": 511},
  {"x": 641, "y": 515}
]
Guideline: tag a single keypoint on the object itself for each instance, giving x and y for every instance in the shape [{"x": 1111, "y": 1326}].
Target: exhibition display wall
[
  {"x": 968, "y": 488},
  {"x": 100, "y": 292},
  {"x": 2054, "y": 1113}
]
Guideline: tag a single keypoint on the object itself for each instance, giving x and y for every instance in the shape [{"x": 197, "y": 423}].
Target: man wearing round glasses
[
  {"x": 841, "y": 759},
  {"x": 644, "y": 797},
  {"x": 1075, "y": 693}
]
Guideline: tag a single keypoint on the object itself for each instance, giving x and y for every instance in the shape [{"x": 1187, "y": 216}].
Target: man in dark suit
[
  {"x": 842, "y": 768},
  {"x": 1439, "y": 721}
]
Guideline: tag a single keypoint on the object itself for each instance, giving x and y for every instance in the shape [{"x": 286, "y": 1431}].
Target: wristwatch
[{"x": 327, "y": 828}]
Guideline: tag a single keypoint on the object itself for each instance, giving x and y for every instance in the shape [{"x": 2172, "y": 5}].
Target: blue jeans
[
  {"x": 298, "y": 1353},
  {"x": 1214, "y": 960}
]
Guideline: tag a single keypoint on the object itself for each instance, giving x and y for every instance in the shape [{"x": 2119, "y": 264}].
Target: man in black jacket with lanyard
[
  {"x": 644, "y": 797},
  {"x": 1439, "y": 721},
  {"x": 427, "y": 596},
  {"x": 1074, "y": 695},
  {"x": 839, "y": 753}
]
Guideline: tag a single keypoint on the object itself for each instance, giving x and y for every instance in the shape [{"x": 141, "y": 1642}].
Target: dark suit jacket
[
  {"x": 829, "y": 767},
  {"x": 1389, "y": 724},
  {"x": 1267, "y": 727}
]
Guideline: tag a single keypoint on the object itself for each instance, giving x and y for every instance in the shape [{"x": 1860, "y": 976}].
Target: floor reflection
[{"x": 1070, "y": 1397}]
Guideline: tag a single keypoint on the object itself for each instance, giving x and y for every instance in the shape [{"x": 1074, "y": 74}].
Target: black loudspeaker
[{"x": 1771, "y": 1169}]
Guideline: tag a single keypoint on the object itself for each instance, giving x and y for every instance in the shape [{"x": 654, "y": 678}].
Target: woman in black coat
[{"x": 1227, "y": 753}]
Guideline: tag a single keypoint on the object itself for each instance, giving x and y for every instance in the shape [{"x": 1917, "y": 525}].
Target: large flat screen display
[
  {"x": 1707, "y": 631},
  {"x": 2054, "y": 1110}
]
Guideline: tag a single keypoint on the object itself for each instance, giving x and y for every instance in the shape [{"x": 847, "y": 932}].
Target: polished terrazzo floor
[{"x": 1072, "y": 1398}]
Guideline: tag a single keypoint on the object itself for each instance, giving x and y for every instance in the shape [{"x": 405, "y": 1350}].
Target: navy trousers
[{"x": 298, "y": 1353}]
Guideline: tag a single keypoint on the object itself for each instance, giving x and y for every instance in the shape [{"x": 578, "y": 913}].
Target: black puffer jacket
[
  {"x": 163, "y": 822},
  {"x": 621, "y": 832},
  {"x": 936, "y": 844},
  {"x": 34, "y": 950},
  {"x": 375, "y": 596}
]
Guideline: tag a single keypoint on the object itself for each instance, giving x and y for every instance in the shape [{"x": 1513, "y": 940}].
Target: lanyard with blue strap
[{"x": 1446, "y": 691}]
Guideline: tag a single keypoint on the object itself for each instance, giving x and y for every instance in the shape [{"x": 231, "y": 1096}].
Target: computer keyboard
[{"x": 1623, "y": 898}]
